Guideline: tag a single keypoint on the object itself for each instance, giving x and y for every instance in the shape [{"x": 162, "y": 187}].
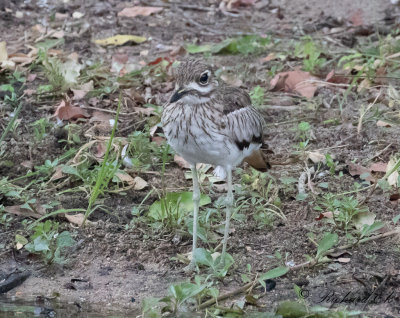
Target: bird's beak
[{"x": 178, "y": 95}]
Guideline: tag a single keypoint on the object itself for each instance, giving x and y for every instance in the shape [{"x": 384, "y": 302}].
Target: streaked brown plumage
[{"x": 209, "y": 122}]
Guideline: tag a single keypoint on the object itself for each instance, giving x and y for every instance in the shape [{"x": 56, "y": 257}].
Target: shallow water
[{"x": 45, "y": 308}]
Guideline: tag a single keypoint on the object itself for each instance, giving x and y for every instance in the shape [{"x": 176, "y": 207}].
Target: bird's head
[{"x": 195, "y": 82}]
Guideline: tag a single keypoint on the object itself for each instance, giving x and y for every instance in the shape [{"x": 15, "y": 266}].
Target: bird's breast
[{"x": 196, "y": 132}]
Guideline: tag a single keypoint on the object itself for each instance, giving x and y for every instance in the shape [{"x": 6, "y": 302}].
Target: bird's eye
[{"x": 204, "y": 78}]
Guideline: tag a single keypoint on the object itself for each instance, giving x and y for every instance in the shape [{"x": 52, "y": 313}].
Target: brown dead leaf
[
  {"x": 101, "y": 149},
  {"x": 99, "y": 116},
  {"x": 31, "y": 77},
  {"x": 316, "y": 156},
  {"x": 76, "y": 219},
  {"x": 230, "y": 4},
  {"x": 268, "y": 58},
  {"x": 344, "y": 259},
  {"x": 231, "y": 80},
  {"x": 337, "y": 78},
  {"x": 357, "y": 170},
  {"x": 378, "y": 167},
  {"x": 18, "y": 210},
  {"x": 29, "y": 92},
  {"x": 294, "y": 82},
  {"x": 181, "y": 162},
  {"x": 56, "y": 34},
  {"x": 147, "y": 111},
  {"x": 65, "y": 111},
  {"x": 138, "y": 183},
  {"x": 57, "y": 174},
  {"x": 138, "y": 10},
  {"x": 82, "y": 91},
  {"x": 61, "y": 16},
  {"x": 328, "y": 215},
  {"x": 356, "y": 18},
  {"x": 118, "y": 64},
  {"x": 392, "y": 179},
  {"x": 27, "y": 164},
  {"x": 382, "y": 123},
  {"x": 3, "y": 51}
]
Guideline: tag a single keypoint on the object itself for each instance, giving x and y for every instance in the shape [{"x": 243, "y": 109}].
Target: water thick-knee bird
[{"x": 206, "y": 121}]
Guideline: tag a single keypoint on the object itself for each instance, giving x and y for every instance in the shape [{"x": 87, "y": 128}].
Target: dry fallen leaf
[
  {"x": 343, "y": 259},
  {"x": 120, "y": 39},
  {"x": 337, "y": 78},
  {"x": 3, "y": 51},
  {"x": 75, "y": 219},
  {"x": 358, "y": 170},
  {"x": 295, "y": 81},
  {"x": 230, "y": 4},
  {"x": 378, "y": 167},
  {"x": 268, "y": 58},
  {"x": 181, "y": 162},
  {"x": 118, "y": 63},
  {"x": 316, "y": 156},
  {"x": 231, "y": 80},
  {"x": 101, "y": 149},
  {"x": 82, "y": 91},
  {"x": 57, "y": 174},
  {"x": 18, "y": 210},
  {"x": 357, "y": 18},
  {"x": 381, "y": 123},
  {"x": 393, "y": 178},
  {"x": 27, "y": 164},
  {"x": 65, "y": 111},
  {"x": 138, "y": 10},
  {"x": 138, "y": 183}
]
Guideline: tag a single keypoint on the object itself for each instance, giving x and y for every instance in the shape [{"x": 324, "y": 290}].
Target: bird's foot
[{"x": 190, "y": 268}]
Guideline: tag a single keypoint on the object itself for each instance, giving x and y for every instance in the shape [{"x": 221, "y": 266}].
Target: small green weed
[
  {"x": 40, "y": 128},
  {"x": 204, "y": 257},
  {"x": 172, "y": 210},
  {"x": 49, "y": 243},
  {"x": 311, "y": 54},
  {"x": 257, "y": 96}
]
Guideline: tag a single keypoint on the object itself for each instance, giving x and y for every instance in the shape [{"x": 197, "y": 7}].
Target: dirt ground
[{"x": 115, "y": 268}]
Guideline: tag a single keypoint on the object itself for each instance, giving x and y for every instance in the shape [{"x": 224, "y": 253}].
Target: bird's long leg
[
  {"x": 229, "y": 206},
  {"x": 196, "y": 199}
]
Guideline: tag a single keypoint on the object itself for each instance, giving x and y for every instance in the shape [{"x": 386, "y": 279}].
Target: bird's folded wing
[{"x": 243, "y": 122}]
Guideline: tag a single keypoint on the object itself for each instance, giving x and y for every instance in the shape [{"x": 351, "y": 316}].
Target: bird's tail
[{"x": 258, "y": 161}]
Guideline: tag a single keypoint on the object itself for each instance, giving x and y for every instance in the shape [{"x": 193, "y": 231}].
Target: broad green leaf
[
  {"x": 50, "y": 43},
  {"x": 184, "y": 291},
  {"x": 201, "y": 232},
  {"x": 21, "y": 239},
  {"x": 396, "y": 219},
  {"x": 291, "y": 309},
  {"x": 273, "y": 273},
  {"x": 203, "y": 257},
  {"x": 327, "y": 242},
  {"x": 193, "y": 48},
  {"x": 369, "y": 229},
  {"x": 64, "y": 239},
  {"x": 40, "y": 244},
  {"x": 71, "y": 170}
]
